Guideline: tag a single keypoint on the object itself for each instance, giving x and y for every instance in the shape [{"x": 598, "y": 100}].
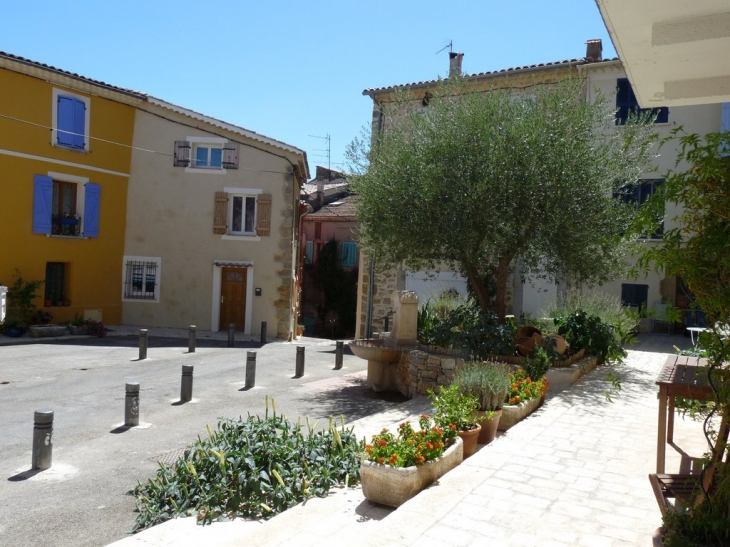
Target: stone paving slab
[{"x": 572, "y": 474}]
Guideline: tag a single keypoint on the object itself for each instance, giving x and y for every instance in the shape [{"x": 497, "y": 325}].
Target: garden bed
[
  {"x": 512, "y": 414},
  {"x": 519, "y": 359}
]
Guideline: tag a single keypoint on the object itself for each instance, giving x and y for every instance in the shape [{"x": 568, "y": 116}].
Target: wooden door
[{"x": 233, "y": 298}]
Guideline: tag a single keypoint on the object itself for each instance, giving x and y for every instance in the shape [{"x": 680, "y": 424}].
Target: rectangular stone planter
[
  {"x": 511, "y": 414},
  {"x": 393, "y": 486},
  {"x": 42, "y": 331},
  {"x": 82, "y": 329}
]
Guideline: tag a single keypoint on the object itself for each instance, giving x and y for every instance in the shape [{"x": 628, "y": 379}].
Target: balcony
[{"x": 65, "y": 225}]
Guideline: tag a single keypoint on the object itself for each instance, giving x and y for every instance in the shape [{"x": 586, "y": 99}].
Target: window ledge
[
  {"x": 231, "y": 237},
  {"x": 56, "y": 236},
  {"x": 70, "y": 148},
  {"x": 142, "y": 300},
  {"x": 206, "y": 171}
]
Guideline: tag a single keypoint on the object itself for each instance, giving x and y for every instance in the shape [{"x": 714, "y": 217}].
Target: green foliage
[
  {"x": 41, "y": 317},
  {"x": 583, "y": 331},
  {"x": 410, "y": 447},
  {"x": 608, "y": 307},
  {"x": 481, "y": 178},
  {"x": 523, "y": 388},
  {"x": 487, "y": 381},
  {"x": 537, "y": 365},
  {"x": 20, "y": 302},
  {"x": 453, "y": 407},
  {"x": 468, "y": 328},
  {"x": 339, "y": 288},
  {"x": 253, "y": 468}
]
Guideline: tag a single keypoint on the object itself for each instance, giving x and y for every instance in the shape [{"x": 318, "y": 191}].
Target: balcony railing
[{"x": 65, "y": 225}]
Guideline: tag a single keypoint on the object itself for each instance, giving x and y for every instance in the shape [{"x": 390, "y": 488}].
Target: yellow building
[{"x": 65, "y": 157}]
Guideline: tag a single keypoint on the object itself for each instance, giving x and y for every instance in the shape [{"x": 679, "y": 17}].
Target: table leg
[
  {"x": 670, "y": 421},
  {"x": 662, "y": 430}
]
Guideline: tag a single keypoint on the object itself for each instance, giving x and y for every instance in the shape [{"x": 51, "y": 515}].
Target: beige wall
[{"x": 170, "y": 216}]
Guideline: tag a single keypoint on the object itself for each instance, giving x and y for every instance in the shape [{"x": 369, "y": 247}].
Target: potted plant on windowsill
[
  {"x": 488, "y": 382},
  {"x": 455, "y": 412}
]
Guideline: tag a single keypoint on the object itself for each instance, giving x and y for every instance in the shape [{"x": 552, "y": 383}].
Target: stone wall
[
  {"x": 418, "y": 371},
  {"x": 386, "y": 281},
  {"x": 284, "y": 303}
]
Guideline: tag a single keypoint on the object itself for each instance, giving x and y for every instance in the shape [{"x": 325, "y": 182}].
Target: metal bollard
[
  {"x": 186, "y": 383},
  {"x": 143, "y": 344},
  {"x": 299, "y": 372},
  {"x": 42, "y": 439},
  {"x": 191, "y": 339},
  {"x": 131, "y": 404},
  {"x": 231, "y": 334},
  {"x": 263, "y": 332},
  {"x": 250, "y": 369},
  {"x": 338, "y": 354}
]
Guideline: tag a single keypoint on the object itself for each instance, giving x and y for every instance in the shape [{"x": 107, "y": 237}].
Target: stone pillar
[{"x": 405, "y": 318}]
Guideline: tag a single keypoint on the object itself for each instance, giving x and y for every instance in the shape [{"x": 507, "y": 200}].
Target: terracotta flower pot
[
  {"x": 560, "y": 344},
  {"x": 527, "y": 346},
  {"x": 469, "y": 438},
  {"x": 527, "y": 331},
  {"x": 489, "y": 426}
]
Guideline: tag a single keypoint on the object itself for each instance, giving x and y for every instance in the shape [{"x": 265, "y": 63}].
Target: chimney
[
  {"x": 455, "y": 63},
  {"x": 319, "y": 196},
  {"x": 594, "y": 51}
]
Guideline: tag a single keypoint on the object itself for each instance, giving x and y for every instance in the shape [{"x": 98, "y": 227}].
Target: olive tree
[{"x": 477, "y": 179}]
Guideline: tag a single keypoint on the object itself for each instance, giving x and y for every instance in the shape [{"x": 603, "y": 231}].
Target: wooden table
[{"x": 680, "y": 377}]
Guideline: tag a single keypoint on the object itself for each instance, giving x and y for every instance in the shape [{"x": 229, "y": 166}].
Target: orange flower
[
  {"x": 382, "y": 442},
  {"x": 381, "y": 460}
]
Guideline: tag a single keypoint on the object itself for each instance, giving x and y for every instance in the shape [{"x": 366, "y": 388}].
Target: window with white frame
[
  {"x": 66, "y": 205},
  {"x": 206, "y": 154},
  {"x": 141, "y": 278},
  {"x": 70, "y": 120},
  {"x": 242, "y": 214}
]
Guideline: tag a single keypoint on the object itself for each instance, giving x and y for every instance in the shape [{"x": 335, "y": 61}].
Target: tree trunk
[
  {"x": 477, "y": 284},
  {"x": 501, "y": 279}
]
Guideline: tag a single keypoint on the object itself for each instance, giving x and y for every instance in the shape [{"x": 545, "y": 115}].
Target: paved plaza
[{"x": 574, "y": 473}]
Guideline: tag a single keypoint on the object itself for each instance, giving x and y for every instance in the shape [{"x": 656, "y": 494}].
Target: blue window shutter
[
  {"x": 65, "y": 121},
  {"x": 349, "y": 253},
  {"x": 42, "y": 204},
  {"x": 309, "y": 252},
  {"x": 79, "y": 114},
  {"x": 91, "y": 210}
]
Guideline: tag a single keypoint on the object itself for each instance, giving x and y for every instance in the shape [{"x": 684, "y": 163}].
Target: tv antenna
[
  {"x": 326, "y": 150},
  {"x": 450, "y": 45}
]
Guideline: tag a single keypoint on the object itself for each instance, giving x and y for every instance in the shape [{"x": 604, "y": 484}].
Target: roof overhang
[{"x": 675, "y": 52}]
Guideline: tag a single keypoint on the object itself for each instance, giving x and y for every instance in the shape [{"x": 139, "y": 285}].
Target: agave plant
[{"x": 487, "y": 380}]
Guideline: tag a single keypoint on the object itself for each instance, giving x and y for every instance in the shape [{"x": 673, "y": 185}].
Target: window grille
[{"x": 140, "y": 280}]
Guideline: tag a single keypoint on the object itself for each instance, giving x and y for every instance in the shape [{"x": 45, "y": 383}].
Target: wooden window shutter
[
  {"x": 182, "y": 154},
  {"x": 230, "y": 155},
  {"x": 220, "y": 213},
  {"x": 263, "y": 227}
]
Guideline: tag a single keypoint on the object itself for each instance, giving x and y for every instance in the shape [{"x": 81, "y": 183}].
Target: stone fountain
[{"x": 383, "y": 354}]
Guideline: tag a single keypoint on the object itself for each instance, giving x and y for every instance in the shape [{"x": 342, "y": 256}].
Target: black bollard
[
  {"x": 42, "y": 439},
  {"x": 186, "y": 383},
  {"x": 263, "y": 332},
  {"x": 339, "y": 348},
  {"x": 131, "y": 404},
  {"x": 143, "y": 344},
  {"x": 231, "y": 334},
  {"x": 191, "y": 339},
  {"x": 250, "y": 369},
  {"x": 300, "y": 362}
]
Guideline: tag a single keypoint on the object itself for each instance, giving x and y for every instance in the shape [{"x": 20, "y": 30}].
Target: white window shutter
[
  {"x": 230, "y": 155},
  {"x": 182, "y": 154}
]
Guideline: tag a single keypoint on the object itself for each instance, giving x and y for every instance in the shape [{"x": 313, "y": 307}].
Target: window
[
  {"x": 70, "y": 120},
  {"x": 626, "y": 103},
  {"x": 349, "y": 254},
  {"x": 638, "y": 193},
  {"x": 55, "y": 285},
  {"x": 242, "y": 212},
  {"x": 206, "y": 155},
  {"x": 141, "y": 278},
  {"x": 633, "y": 295},
  {"x": 309, "y": 252},
  {"x": 65, "y": 205}
]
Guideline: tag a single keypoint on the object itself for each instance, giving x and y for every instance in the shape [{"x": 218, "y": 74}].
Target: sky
[{"x": 292, "y": 70}]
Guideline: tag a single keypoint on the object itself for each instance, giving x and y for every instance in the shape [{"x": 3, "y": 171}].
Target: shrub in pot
[
  {"x": 488, "y": 381},
  {"x": 454, "y": 412}
]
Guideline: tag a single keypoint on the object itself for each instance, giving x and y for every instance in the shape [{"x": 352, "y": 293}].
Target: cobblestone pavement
[{"x": 572, "y": 474}]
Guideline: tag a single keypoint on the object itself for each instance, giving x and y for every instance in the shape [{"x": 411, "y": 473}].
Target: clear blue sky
[{"x": 291, "y": 69}]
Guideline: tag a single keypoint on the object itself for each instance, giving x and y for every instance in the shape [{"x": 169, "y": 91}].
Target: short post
[
  {"x": 143, "y": 340},
  {"x": 231, "y": 334},
  {"x": 191, "y": 339},
  {"x": 186, "y": 383},
  {"x": 250, "y": 369},
  {"x": 263, "y": 332},
  {"x": 42, "y": 455},
  {"x": 339, "y": 348},
  {"x": 299, "y": 372},
  {"x": 131, "y": 404}
]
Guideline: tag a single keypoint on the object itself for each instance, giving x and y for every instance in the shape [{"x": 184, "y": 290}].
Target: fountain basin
[{"x": 382, "y": 362}]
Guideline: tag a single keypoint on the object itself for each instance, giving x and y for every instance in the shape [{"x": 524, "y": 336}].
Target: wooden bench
[{"x": 681, "y": 487}]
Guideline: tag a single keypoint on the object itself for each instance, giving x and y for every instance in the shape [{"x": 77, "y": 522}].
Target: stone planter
[
  {"x": 511, "y": 414},
  {"x": 393, "y": 486},
  {"x": 43, "y": 331},
  {"x": 80, "y": 330}
]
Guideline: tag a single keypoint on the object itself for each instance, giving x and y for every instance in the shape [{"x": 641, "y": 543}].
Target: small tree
[
  {"x": 478, "y": 179},
  {"x": 698, "y": 250},
  {"x": 20, "y": 302}
]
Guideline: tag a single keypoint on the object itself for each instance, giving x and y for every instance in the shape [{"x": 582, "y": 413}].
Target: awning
[{"x": 233, "y": 264}]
